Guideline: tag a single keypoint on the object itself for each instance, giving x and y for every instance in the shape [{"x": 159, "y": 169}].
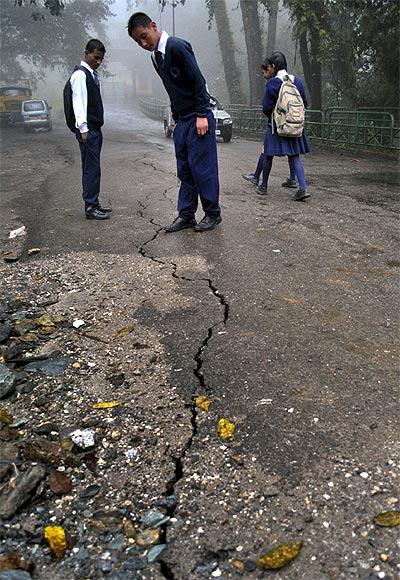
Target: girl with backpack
[
  {"x": 254, "y": 178},
  {"x": 284, "y": 144}
]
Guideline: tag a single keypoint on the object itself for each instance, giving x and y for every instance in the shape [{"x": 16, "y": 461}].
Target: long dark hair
[{"x": 278, "y": 59}]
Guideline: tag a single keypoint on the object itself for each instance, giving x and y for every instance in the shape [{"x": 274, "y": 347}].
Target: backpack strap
[{"x": 272, "y": 116}]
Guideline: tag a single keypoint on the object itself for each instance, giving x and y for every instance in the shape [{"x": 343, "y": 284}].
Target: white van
[{"x": 36, "y": 114}]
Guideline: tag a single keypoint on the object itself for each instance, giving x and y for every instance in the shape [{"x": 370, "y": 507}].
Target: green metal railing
[
  {"x": 154, "y": 108},
  {"x": 395, "y": 111},
  {"x": 368, "y": 127},
  {"x": 363, "y": 127}
]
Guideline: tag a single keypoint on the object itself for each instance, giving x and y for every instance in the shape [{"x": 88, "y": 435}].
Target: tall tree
[
  {"x": 217, "y": 9},
  {"x": 363, "y": 53},
  {"x": 356, "y": 41},
  {"x": 311, "y": 24},
  {"x": 36, "y": 36},
  {"x": 272, "y": 6},
  {"x": 253, "y": 39},
  {"x": 54, "y": 6}
]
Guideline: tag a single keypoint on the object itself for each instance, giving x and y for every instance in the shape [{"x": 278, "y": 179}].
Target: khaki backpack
[{"x": 289, "y": 112}]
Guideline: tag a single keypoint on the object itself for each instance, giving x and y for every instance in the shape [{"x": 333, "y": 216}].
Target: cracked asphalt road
[{"x": 286, "y": 317}]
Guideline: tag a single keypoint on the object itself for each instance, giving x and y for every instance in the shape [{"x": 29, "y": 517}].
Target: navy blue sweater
[{"x": 183, "y": 80}]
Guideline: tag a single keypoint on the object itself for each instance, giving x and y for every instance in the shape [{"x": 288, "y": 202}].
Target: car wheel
[
  {"x": 27, "y": 129},
  {"x": 227, "y": 137}
]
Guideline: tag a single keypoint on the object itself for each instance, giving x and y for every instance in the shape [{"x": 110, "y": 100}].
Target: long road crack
[
  {"x": 155, "y": 168},
  {"x": 198, "y": 371}
]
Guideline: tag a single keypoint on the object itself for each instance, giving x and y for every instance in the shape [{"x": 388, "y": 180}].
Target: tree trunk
[
  {"x": 252, "y": 34},
  {"x": 225, "y": 39},
  {"x": 316, "y": 68},
  {"x": 310, "y": 19},
  {"x": 312, "y": 68},
  {"x": 272, "y": 22}
]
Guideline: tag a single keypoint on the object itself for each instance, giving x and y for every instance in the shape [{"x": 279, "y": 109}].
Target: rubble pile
[{"x": 87, "y": 439}]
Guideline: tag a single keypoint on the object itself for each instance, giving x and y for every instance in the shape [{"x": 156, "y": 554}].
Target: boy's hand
[
  {"x": 84, "y": 136},
  {"x": 201, "y": 125}
]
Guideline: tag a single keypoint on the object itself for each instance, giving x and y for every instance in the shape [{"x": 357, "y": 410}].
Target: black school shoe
[
  {"x": 261, "y": 190},
  {"x": 300, "y": 195},
  {"x": 291, "y": 183},
  {"x": 95, "y": 214},
  {"x": 209, "y": 222},
  {"x": 103, "y": 208},
  {"x": 250, "y": 177},
  {"x": 180, "y": 223}
]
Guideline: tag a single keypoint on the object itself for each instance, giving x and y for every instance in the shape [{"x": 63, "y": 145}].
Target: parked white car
[{"x": 224, "y": 121}]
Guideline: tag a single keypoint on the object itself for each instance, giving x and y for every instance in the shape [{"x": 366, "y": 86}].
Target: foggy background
[
  {"x": 127, "y": 72},
  {"x": 346, "y": 51},
  {"x": 130, "y": 64}
]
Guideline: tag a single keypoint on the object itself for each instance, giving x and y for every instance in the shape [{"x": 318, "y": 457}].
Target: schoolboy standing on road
[
  {"x": 89, "y": 118},
  {"x": 194, "y": 133}
]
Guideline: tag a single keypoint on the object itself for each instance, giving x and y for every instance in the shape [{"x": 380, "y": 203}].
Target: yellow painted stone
[
  {"x": 57, "y": 539},
  {"x": 280, "y": 556}
]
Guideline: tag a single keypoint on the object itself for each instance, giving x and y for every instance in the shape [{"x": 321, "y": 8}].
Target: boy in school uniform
[
  {"x": 194, "y": 133},
  {"x": 89, "y": 117}
]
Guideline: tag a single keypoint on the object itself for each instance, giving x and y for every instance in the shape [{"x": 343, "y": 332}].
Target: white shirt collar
[
  {"x": 162, "y": 43},
  {"x": 85, "y": 64},
  {"x": 281, "y": 74}
]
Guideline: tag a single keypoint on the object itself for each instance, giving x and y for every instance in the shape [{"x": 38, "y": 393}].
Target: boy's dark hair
[
  {"x": 95, "y": 44},
  {"x": 279, "y": 60},
  {"x": 138, "y": 19},
  {"x": 265, "y": 64}
]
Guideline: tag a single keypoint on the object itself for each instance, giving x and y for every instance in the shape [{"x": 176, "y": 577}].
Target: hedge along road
[{"x": 285, "y": 317}]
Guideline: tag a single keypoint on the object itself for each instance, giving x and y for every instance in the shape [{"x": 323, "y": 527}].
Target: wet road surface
[{"x": 286, "y": 318}]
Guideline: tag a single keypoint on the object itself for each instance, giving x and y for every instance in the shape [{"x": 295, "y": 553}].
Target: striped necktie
[{"x": 96, "y": 78}]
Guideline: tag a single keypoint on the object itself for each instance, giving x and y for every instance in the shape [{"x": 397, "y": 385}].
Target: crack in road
[
  {"x": 170, "y": 502},
  {"x": 153, "y": 166},
  {"x": 198, "y": 372}
]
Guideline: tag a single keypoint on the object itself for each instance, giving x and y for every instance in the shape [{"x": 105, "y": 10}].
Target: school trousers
[
  {"x": 91, "y": 172},
  {"x": 197, "y": 167}
]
